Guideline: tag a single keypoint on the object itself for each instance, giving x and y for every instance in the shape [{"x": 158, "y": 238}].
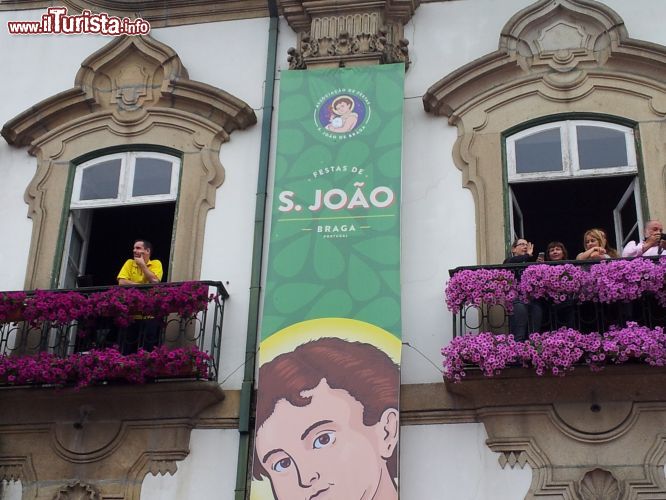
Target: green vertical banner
[{"x": 327, "y": 419}]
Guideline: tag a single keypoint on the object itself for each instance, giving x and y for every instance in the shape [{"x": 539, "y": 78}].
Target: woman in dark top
[
  {"x": 521, "y": 251},
  {"x": 526, "y": 317}
]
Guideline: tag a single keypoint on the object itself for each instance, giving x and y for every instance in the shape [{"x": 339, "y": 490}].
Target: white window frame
[
  {"x": 126, "y": 181},
  {"x": 569, "y": 146}
]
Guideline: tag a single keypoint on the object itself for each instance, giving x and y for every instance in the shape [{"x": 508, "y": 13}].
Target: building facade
[{"x": 487, "y": 84}]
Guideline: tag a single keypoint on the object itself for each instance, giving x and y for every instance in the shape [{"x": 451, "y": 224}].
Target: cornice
[{"x": 159, "y": 13}]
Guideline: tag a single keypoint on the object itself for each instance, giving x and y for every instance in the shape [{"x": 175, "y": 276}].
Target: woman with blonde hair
[{"x": 596, "y": 246}]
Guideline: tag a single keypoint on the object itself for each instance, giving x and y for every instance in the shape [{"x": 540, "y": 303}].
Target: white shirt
[{"x": 634, "y": 249}]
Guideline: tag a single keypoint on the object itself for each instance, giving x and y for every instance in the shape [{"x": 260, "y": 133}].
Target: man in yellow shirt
[
  {"x": 141, "y": 269},
  {"x": 144, "y": 332}
]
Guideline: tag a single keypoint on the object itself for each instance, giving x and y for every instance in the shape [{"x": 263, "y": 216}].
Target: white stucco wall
[
  {"x": 452, "y": 462},
  {"x": 230, "y": 226},
  {"x": 208, "y": 472},
  {"x": 10, "y": 490},
  {"x": 438, "y": 225},
  {"x": 57, "y": 57}
]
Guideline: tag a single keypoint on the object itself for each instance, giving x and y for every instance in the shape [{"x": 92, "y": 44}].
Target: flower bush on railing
[
  {"x": 104, "y": 365},
  {"x": 122, "y": 304},
  {"x": 624, "y": 280},
  {"x": 605, "y": 282},
  {"x": 11, "y": 306},
  {"x": 556, "y": 283},
  {"x": 556, "y": 352},
  {"x": 474, "y": 287}
]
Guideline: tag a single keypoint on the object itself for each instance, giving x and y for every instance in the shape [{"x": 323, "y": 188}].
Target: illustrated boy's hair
[
  {"x": 361, "y": 369},
  {"x": 346, "y": 99}
]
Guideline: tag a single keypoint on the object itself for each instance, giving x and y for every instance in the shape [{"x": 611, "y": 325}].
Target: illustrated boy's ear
[{"x": 388, "y": 426}]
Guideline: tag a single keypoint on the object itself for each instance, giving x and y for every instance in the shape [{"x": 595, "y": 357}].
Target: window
[
  {"x": 568, "y": 149},
  {"x": 125, "y": 178},
  {"x": 595, "y": 165},
  {"x": 116, "y": 198}
]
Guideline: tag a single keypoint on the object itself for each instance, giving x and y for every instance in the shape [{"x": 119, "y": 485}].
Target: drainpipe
[{"x": 247, "y": 388}]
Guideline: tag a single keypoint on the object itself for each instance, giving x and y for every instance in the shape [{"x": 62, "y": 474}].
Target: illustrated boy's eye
[
  {"x": 282, "y": 465},
  {"x": 326, "y": 439}
]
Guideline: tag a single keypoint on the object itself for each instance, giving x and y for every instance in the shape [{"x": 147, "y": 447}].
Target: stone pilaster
[{"x": 338, "y": 33}]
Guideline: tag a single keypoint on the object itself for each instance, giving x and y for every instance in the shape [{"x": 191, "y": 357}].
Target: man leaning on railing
[
  {"x": 145, "y": 330},
  {"x": 141, "y": 269}
]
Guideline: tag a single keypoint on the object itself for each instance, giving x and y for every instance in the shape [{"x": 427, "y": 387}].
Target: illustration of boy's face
[
  {"x": 342, "y": 107},
  {"x": 323, "y": 450}
]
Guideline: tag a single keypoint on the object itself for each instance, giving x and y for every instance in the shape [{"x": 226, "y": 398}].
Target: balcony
[
  {"x": 554, "y": 316},
  {"x": 130, "y": 334}
]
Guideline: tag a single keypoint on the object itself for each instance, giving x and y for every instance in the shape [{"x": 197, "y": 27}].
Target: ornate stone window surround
[
  {"x": 133, "y": 94},
  {"x": 555, "y": 58}
]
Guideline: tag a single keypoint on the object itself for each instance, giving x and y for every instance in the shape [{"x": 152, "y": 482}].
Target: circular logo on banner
[{"x": 342, "y": 113}]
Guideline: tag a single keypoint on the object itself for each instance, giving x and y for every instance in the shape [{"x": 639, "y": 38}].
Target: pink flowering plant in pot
[
  {"x": 12, "y": 305},
  {"x": 624, "y": 280},
  {"x": 554, "y": 283},
  {"x": 105, "y": 365},
  {"x": 605, "y": 282},
  {"x": 481, "y": 286},
  {"x": 122, "y": 304},
  {"x": 556, "y": 352}
]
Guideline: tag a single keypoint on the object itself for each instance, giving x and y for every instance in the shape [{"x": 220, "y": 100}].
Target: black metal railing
[
  {"x": 202, "y": 329},
  {"x": 543, "y": 315}
]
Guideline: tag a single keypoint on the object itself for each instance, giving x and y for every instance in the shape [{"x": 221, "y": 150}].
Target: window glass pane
[
  {"x": 101, "y": 181},
  {"x": 75, "y": 247},
  {"x": 540, "y": 152},
  {"x": 600, "y": 147},
  {"x": 151, "y": 176},
  {"x": 70, "y": 277}
]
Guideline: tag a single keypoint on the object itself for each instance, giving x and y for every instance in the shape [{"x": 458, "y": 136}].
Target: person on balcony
[
  {"x": 562, "y": 314},
  {"x": 141, "y": 269},
  {"x": 652, "y": 244},
  {"x": 596, "y": 246},
  {"x": 526, "y": 317},
  {"x": 556, "y": 251}
]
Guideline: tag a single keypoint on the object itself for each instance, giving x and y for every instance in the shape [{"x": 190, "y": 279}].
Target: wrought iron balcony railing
[
  {"x": 542, "y": 314},
  {"x": 162, "y": 322}
]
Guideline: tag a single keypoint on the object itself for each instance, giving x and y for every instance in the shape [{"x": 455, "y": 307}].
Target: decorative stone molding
[
  {"x": 77, "y": 491},
  {"x": 18, "y": 468},
  {"x": 586, "y": 435},
  {"x": 334, "y": 33},
  {"x": 599, "y": 484},
  {"x": 159, "y": 13},
  {"x": 133, "y": 91},
  {"x": 555, "y": 56},
  {"x": 512, "y": 458},
  {"x": 57, "y": 455}
]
